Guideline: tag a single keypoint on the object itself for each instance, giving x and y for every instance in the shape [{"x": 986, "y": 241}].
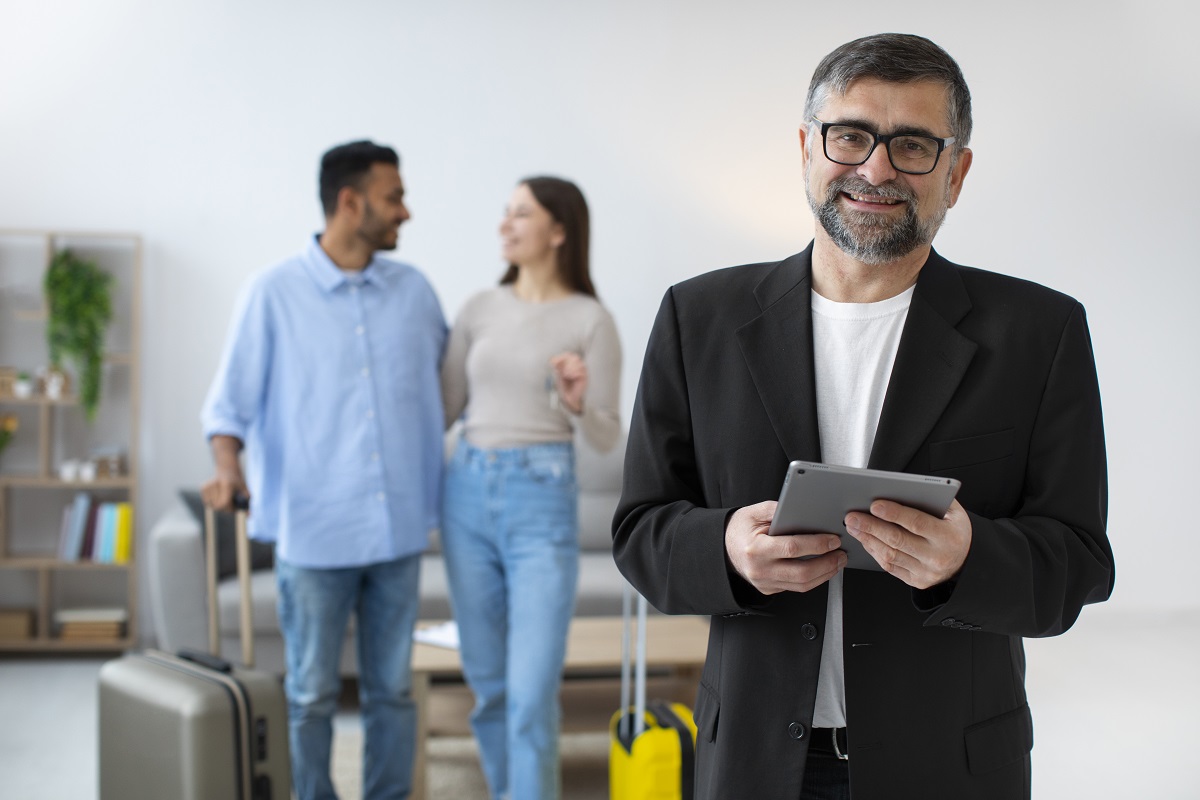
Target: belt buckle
[{"x": 837, "y": 751}]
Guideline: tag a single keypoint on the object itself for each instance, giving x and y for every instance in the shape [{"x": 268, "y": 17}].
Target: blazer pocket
[
  {"x": 999, "y": 741},
  {"x": 972, "y": 450},
  {"x": 708, "y": 709}
]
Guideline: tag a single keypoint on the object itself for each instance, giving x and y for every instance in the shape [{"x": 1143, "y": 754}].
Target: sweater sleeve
[
  {"x": 454, "y": 370},
  {"x": 600, "y": 419}
]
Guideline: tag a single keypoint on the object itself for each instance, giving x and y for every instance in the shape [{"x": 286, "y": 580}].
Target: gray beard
[{"x": 872, "y": 238}]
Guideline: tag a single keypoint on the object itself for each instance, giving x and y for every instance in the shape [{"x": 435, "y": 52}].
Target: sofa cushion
[
  {"x": 595, "y": 521},
  {"x": 264, "y": 616},
  {"x": 262, "y": 554},
  {"x": 599, "y": 477},
  {"x": 599, "y": 592},
  {"x": 435, "y": 588},
  {"x": 598, "y": 471}
]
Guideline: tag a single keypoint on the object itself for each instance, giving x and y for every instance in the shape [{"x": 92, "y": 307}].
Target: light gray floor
[{"x": 1115, "y": 704}]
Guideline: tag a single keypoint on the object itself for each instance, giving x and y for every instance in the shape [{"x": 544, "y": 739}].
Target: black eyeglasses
[{"x": 909, "y": 153}]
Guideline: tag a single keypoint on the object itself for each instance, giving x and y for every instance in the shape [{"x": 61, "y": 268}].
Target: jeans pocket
[{"x": 550, "y": 466}]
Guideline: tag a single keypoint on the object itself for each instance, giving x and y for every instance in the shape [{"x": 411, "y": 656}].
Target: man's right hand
[
  {"x": 219, "y": 491},
  {"x": 773, "y": 564},
  {"x": 228, "y": 482}
]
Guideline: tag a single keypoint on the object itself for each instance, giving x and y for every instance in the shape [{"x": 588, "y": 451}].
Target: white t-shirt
[{"x": 854, "y": 347}]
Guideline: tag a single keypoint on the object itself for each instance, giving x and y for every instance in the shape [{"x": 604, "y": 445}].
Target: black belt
[{"x": 830, "y": 740}]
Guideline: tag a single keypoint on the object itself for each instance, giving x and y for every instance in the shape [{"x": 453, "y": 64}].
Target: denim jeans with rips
[{"x": 511, "y": 542}]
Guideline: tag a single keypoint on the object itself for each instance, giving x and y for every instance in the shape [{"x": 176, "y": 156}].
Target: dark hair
[
  {"x": 896, "y": 57},
  {"x": 567, "y": 206},
  {"x": 347, "y": 165}
]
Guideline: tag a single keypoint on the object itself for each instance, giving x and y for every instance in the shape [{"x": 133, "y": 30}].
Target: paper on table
[{"x": 444, "y": 634}]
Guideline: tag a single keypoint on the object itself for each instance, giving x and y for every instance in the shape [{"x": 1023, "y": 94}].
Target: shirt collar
[{"x": 329, "y": 276}]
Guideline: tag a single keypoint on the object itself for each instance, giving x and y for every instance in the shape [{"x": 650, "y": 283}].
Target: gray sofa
[{"x": 176, "y": 577}]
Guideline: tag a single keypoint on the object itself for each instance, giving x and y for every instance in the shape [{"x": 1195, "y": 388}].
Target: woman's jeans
[
  {"x": 314, "y": 607},
  {"x": 510, "y": 537}
]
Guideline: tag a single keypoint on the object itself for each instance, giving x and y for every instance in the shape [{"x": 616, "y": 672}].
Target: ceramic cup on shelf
[
  {"x": 56, "y": 383},
  {"x": 69, "y": 470}
]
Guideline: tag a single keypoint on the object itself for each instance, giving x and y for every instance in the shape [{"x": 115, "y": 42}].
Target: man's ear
[
  {"x": 349, "y": 201},
  {"x": 804, "y": 146},
  {"x": 958, "y": 174}
]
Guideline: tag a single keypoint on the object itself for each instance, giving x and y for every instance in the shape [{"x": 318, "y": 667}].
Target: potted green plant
[
  {"x": 8, "y": 429},
  {"x": 80, "y": 306},
  {"x": 23, "y": 386}
]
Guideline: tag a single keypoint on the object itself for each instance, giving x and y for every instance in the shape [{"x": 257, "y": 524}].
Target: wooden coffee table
[{"x": 674, "y": 645}]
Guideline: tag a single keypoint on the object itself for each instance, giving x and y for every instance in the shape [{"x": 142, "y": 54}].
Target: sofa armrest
[{"x": 176, "y": 581}]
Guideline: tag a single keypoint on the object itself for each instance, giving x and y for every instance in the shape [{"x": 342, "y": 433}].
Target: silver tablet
[{"x": 817, "y": 497}]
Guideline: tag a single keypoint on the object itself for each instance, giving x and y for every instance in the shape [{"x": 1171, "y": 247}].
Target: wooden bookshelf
[{"x": 33, "y": 492}]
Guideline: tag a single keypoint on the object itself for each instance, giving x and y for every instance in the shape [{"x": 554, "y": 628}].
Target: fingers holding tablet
[
  {"x": 773, "y": 564},
  {"x": 822, "y": 498},
  {"x": 920, "y": 549}
]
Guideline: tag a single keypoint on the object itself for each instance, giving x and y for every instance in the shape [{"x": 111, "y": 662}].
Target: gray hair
[{"x": 899, "y": 58}]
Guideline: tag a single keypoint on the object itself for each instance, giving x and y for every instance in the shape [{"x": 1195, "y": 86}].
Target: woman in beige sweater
[{"x": 527, "y": 362}]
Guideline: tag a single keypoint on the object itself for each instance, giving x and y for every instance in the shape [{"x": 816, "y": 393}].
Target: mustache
[{"x": 853, "y": 185}]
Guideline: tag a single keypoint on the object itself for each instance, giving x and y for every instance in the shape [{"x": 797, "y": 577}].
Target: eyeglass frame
[{"x": 885, "y": 139}]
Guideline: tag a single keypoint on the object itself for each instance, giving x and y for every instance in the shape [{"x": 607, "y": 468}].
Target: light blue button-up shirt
[{"x": 330, "y": 379}]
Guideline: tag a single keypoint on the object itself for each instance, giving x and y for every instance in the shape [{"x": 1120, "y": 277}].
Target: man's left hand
[{"x": 919, "y": 549}]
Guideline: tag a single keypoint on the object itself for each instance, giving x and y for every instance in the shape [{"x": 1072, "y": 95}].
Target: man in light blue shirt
[{"x": 329, "y": 380}]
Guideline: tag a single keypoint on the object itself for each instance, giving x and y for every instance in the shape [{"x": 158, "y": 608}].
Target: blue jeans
[
  {"x": 510, "y": 537},
  {"x": 314, "y": 608}
]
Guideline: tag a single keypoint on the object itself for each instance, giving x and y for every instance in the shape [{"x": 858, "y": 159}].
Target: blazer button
[
  {"x": 796, "y": 730},
  {"x": 808, "y": 631}
]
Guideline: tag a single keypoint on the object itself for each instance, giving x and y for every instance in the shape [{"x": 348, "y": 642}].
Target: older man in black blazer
[{"x": 869, "y": 349}]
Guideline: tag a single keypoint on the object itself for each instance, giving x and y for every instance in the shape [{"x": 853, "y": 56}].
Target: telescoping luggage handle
[
  {"x": 241, "y": 505},
  {"x": 639, "y": 716}
]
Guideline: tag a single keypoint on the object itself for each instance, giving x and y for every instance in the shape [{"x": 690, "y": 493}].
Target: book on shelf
[
  {"x": 96, "y": 623},
  {"x": 123, "y": 548},
  {"x": 96, "y": 531},
  {"x": 103, "y": 534},
  {"x": 71, "y": 545},
  {"x": 107, "y": 614},
  {"x": 91, "y": 631},
  {"x": 89, "y": 531}
]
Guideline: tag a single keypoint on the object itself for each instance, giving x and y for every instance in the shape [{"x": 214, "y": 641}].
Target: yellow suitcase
[{"x": 652, "y": 755}]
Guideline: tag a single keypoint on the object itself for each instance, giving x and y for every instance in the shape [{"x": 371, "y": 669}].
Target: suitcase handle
[
  {"x": 205, "y": 660},
  {"x": 639, "y": 666},
  {"x": 241, "y": 505}
]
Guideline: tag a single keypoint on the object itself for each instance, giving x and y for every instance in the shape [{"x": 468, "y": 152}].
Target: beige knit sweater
[{"x": 497, "y": 370}]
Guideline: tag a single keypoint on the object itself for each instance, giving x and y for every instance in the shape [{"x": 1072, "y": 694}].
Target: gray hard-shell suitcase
[{"x": 192, "y": 726}]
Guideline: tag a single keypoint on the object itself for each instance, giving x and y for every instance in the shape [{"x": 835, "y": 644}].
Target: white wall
[{"x": 199, "y": 125}]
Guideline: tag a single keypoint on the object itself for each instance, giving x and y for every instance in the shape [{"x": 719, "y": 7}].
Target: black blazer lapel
[
  {"x": 930, "y": 363},
  {"x": 778, "y": 349}
]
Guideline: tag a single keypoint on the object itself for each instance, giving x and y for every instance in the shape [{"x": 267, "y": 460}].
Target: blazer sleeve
[
  {"x": 665, "y": 542},
  {"x": 1031, "y": 574}
]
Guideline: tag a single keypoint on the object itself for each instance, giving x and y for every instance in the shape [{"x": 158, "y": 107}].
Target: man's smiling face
[{"x": 871, "y": 211}]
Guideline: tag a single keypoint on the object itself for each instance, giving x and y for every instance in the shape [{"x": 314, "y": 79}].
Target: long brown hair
[{"x": 568, "y": 208}]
